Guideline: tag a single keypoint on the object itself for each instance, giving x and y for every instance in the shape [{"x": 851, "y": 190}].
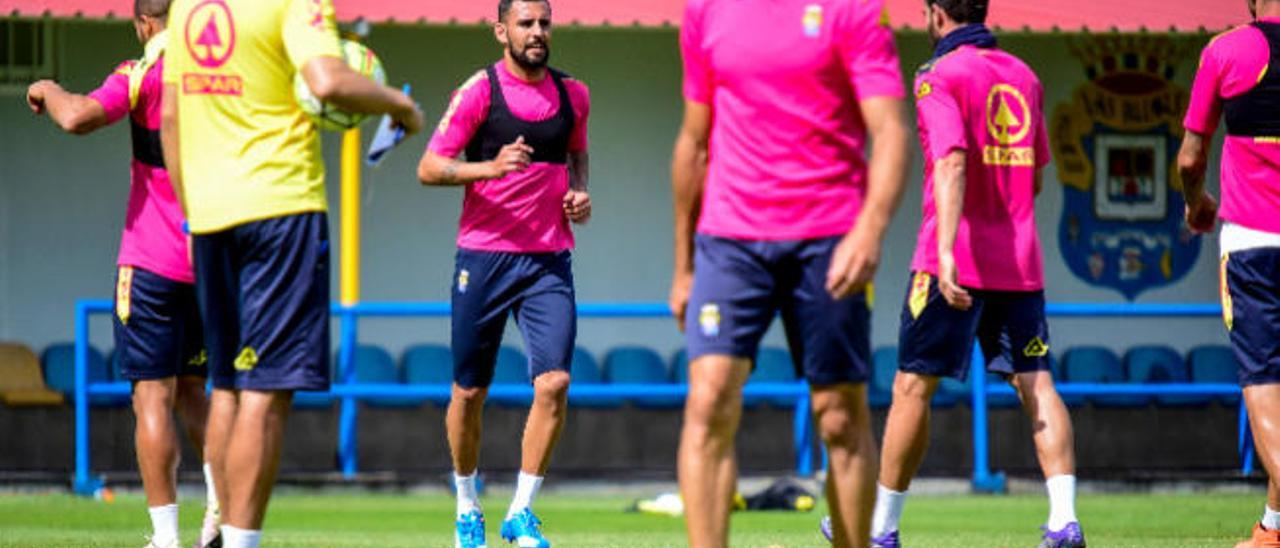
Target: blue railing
[{"x": 350, "y": 392}]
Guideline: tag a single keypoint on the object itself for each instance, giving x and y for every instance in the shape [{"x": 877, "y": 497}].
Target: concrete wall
[{"x": 62, "y": 198}]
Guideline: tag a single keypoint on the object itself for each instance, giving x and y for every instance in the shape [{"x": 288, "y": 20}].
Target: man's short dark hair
[
  {"x": 151, "y": 8},
  {"x": 963, "y": 11},
  {"x": 504, "y": 6}
]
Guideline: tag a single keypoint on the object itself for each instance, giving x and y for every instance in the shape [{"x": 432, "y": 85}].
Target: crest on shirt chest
[
  {"x": 1115, "y": 145},
  {"x": 812, "y": 20}
]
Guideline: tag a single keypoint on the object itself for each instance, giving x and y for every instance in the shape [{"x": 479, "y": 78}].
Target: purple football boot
[{"x": 1068, "y": 537}]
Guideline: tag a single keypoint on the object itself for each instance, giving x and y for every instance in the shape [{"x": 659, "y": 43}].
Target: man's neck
[
  {"x": 1269, "y": 10},
  {"x": 528, "y": 75}
]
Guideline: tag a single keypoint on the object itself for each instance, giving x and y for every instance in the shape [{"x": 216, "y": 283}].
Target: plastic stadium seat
[
  {"x": 1160, "y": 364},
  {"x": 1095, "y": 364},
  {"x": 884, "y": 366},
  {"x": 59, "y": 362},
  {"x": 375, "y": 365},
  {"x": 773, "y": 364},
  {"x": 21, "y": 382},
  {"x": 427, "y": 364},
  {"x": 1215, "y": 364},
  {"x": 512, "y": 367},
  {"x": 585, "y": 369},
  {"x": 639, "y": 365},
  {"x": 680, "y": 366}
]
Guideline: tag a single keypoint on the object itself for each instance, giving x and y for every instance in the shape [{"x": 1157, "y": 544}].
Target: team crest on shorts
[
  {"x": 124, "y": 290},
  {"x": 919, "y": 296},
  {"x": 812, "y": 20},
  {"x": 464, "y": 278},
  {"x": 1115, "y": 145},
  {"x": 709, "y": 320}
]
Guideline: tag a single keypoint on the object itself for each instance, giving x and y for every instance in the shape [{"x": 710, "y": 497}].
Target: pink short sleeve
[
  {"x": 580, "y": 97},
  {"x": 944, "y": 121},
  {"x": 866, "y": 43},
  {"x": 1205, "y": 107},
  {"x": 467, "y": 110},
  {"x": 113, "y": 95},
  {"x": 697, "y": 70}
]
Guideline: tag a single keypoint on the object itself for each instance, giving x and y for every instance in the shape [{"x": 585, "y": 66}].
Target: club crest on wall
[{"x": 1115, "y": 145}]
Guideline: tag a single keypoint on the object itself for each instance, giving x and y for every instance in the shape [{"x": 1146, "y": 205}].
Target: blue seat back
[
  {"x": 59, "y": 364},
  {"x": 634, "y": 364},
  {"x": 1155, "y": 364},
  {"x": 1096, "y": 364},
  {"x": 512, "y": 367},
  {"x": 680, "y": 366},
  {"x": 373, "y": 364},
  {"x": 427, "y": 364},
  {"x": 585, "y": 369},
  {"x": 773, "y": 364},
  {"x": 1215, "y": 364}
]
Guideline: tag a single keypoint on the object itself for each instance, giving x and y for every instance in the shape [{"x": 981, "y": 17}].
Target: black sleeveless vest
[
  {"x": 146, "y": 144},
  {"x": 1256, "y": 113},
  {"x": 549, "y": 138}
]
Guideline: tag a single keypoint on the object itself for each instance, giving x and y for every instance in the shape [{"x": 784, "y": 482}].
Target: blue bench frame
[{"x": 350, "y": 392}]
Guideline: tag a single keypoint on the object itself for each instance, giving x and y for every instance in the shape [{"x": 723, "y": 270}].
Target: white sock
[
  {"x": 888, "y": 510},
  {"x": 164, "y": 524},
  {"x": 210, "y": 492},
  {"x": 527, "y": 486},
  {"x": 468, "y": 499},
  {"x": 234, "y": 537},
  {"x": 1062, "y": 501},
  {"x": 1270, "y": 519}
]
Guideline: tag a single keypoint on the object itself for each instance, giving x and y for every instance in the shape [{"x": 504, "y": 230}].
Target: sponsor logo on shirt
[
  {"x": 210, "y": 36},
  {"x": 709, "y": 320},
  {"x": 1008, "y": 118},
  {"x": 812, "y": 20},
  {"x": 212, "y": 84}
]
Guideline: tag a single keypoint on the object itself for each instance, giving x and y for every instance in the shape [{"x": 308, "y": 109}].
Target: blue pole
[
  {"x": 84, "y": 484},
  {"x": 983, "y": 479},
  {"x": 348, "y": 414},
  {"x": 803, "y": 426}
]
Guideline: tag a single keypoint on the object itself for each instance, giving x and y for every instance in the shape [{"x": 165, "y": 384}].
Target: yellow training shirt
[{"x": 247, "y": 150}]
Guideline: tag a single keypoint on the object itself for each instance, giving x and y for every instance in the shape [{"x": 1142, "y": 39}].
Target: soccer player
[
  {"x": 156, "y": 324},
  {"x": 768, "y": 169},
  {"x": 1238, "y": 81},
  {"x": 523, "y": 127},
  {"x": 247, "y": 165},
  {"x": 977, "y": 266}
]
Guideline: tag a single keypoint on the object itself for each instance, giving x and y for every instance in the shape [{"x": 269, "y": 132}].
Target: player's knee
[
  {"x": 913, "y": 386},
  {"x": 152, "y": 397},
  {"x": 552, "y": 386},
  {"x": 469, "y": 396},
  {"x": 712, "y": 409},
  {"x": 837, "y": 426}
]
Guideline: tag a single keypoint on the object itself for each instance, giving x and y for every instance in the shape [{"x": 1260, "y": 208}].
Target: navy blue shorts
[
  {"x": 937, "y": 340},
  {"x": 263, "y": 288},
  {"x": 1251, "y": 310},
  {"x": 157, "y": 327},
  {"x": 739, "y": 286},
  {"x": 536, "y": 287}
]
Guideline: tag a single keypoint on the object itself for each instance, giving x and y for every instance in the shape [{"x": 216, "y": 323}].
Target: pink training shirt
[
  {"x": 524, "y": 211},
  {"x": 783, "y": 79},
  {"x": 989, "y": 104},
  {"x": 1232, "y": 64},
  {"x": 153, "y": 238}
]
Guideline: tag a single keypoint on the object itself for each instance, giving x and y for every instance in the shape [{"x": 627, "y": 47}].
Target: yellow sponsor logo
[
  {"x": 925, "y": 89},
  {"x": 124, "y": 290},
  {"x": 199, "y": 360},
  {"x": 1036, "y": 348},
  {"x": 1008, "y": 156},
  {"x": 919, "y": 296},
  {"x": 212, "y": 84},
  {"x": 1008, "y": 114},
  {"x": 247, "y": 360},
  {"x": 1228, "y": 316}
]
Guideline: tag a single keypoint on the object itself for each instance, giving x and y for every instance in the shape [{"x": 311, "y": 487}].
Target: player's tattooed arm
[
  {"x": 435, "y": 169},
  {"x": 1201, "y": 207},
  {"x": 577, "y": 202}
]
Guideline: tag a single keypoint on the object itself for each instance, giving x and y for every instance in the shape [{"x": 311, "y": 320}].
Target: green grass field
[{"x": 402, "y": 520}]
